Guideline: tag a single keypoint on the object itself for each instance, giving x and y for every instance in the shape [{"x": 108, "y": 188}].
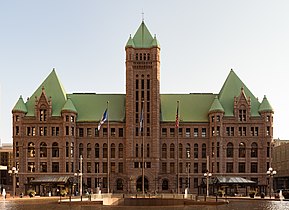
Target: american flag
[{"x": 177, "y": 116}]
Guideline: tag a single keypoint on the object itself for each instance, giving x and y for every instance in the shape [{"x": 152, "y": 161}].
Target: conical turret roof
[
  {"x": 265, "y": 105},
  {"x": 20, "y": 106},
  {"x": 216, "y": 106}
]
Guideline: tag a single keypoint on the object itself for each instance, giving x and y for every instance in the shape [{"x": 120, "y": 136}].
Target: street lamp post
[
  {"x": 207, "y": 175},
  {"x": 271, "y": 173},
  {"x": 13, "y": 172}
]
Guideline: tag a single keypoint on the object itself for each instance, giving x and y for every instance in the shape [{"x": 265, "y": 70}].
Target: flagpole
[
  {"x": 143, "y": 165},
  {"x": 108, "y": 150},
  {"x": 177, "y": 128}
]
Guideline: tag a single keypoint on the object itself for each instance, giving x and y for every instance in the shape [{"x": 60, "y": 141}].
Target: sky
[{"x": 84, "y": 40}]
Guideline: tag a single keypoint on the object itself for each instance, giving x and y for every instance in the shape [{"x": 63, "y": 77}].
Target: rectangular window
[
  {"x": 112, "y": 167},
  {"x": 229, "y": 168},
  {"x": 204, "y": 132},
  {"x": 72, "y": 131},
  {"x": 196, "y": 169},
  {"x": 104, "y": 167},
  {"x": 188, "y": 132},
  {"x": 96, "y": 132},
  {"x": 88, "y": 182},
  {"x": 96, "y": 167},
  {"x": 180, "y": 132},
  {"x": 218, "y": 131},
  {"x": 148, "y": 164},
  {"x": 164, "y": 132},
  {"x": 254, "y": 167},
  {"x": 120, "y": 132},
  {"x": 67, "y": 130},
  {"x": 112, "y": 132},
  {"x": 33, "y": 131},
  {"x": 31, "y": 167},
  {"x": 120, "y": 168},
  {"x": 88, "y": 169},
  {"x": 55, "y": 166},
  {"x": 172, "y": 168},
  {"x": 41, "y": 131},
  {"x": 17, "y": 131},
  {"x": 164, "y": 167},
  {"x": 43, "y": 166},
  {"x": 104, "y": 183},
  {"x": 227, "y": 131},
  {"x": 196, "y": 131},
  {"x": 268, "y": 131},
  {"x": 89, "y": 132},
  {"x": 136, "y": 165},
  {"x": 180, "y": 167},
  {"x": 80, "y": 132},
  {"x": 28, "y": 131},
  {"x": 242, "y": 168},
  {"x": 104, "y": 130},
  {"x": 67, "y": 167},
  {"x": 196, "y": 183},
  {"x": 232, "y": 131},
  {"x": 172, "y": 132}
]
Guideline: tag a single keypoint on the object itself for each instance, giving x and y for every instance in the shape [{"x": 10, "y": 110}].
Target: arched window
[
  {"x": 148, "y": 150},
  {"x": 88, "y": 150},
  {"x": 80, "y": 149},
  {"x": 31, "y": 149},
  {"x": 230, "y": 150},
  {"x": 172, "y": 151},
  {"x": 165, "y": 184},
  {"x": 112, "y": 150},
  {"x": 180, "y": 150},
  {"x": 120, "y": 150},
  {"x": 188, "y": 151},
  {"x": 43, "y": 149},
  {"x": 42, "y": 114},
  {"x": 55, "y": 149},
  {"x": 242, "y": 150},
  {"x": 196, "y": 151},
  {"x": 104, "y": 150},
  {"x": 164, "y": 151},
  {"x": 96, "y": 150},
  {"x": 204, "y": 150},
  {"x": 136, "y": 150},
  {"x": 119, "y": 184},
  {"x": 254, "y": 149}
]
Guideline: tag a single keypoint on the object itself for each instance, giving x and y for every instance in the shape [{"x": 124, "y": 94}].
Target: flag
[
  {"x": 177, "y": 116},
  {"x": 141, "y": 120},
  {"x": 103, "y": 119}
]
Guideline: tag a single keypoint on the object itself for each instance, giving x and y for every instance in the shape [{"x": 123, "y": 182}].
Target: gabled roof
[
  {"x": 265, "y": 106},
  {"x": 231, "y": 88},
  {"x": 192, "y": 107},
  {"x": 20, "y": 106},
  {"x": 69, "y": 106},
  {"x": 54, "y": 89},
  {"x": 142, "y": 38},
  {"x": 216, "y": 106}
]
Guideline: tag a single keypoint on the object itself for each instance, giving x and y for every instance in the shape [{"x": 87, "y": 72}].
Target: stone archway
[{"x": 139, "y": 184}]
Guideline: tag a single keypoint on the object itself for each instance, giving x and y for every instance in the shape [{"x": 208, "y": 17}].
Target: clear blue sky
[{"x": 200, "y": 42}]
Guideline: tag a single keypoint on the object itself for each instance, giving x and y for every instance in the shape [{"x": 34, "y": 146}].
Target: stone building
[
  {"x": 53, "y": 128},
  {"x": 6, "y": 161}
]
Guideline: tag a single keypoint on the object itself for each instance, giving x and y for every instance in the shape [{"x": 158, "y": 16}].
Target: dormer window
[
  {"x": 43, "y": 115},
  {"x": 242, "y": 115}
]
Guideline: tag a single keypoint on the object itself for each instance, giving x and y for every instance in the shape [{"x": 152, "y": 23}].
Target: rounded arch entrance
[{"x": 139, "y": 184}]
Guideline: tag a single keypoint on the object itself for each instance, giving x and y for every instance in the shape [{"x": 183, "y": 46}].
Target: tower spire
[{"x": 142, "y": 14}]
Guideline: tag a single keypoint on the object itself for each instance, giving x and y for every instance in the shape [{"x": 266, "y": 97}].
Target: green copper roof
[
  {"x": 53, "y": 89},
  {"x": 142, "y": 38},
  {"x": 90, "y": 106},
  {"x": 68, "y": 106},
  {"x": 192, "y": 107},
  {"x": 231, "y": 88},
  {"x": 265, "y": 105},
  {"x": 20, "y": 106},
  {"x": 216, "y": 106},
  {"x": 155, "y": 42},
  {"x": 130, "y": 42}
]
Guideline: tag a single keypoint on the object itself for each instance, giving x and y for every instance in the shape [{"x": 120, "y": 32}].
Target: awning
[
  {"x": 232, "y": 180},
  {"x": 50, "y": 179}
]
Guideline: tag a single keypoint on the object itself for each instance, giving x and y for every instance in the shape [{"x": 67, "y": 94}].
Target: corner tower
[{"x": 142, "y": 93}]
